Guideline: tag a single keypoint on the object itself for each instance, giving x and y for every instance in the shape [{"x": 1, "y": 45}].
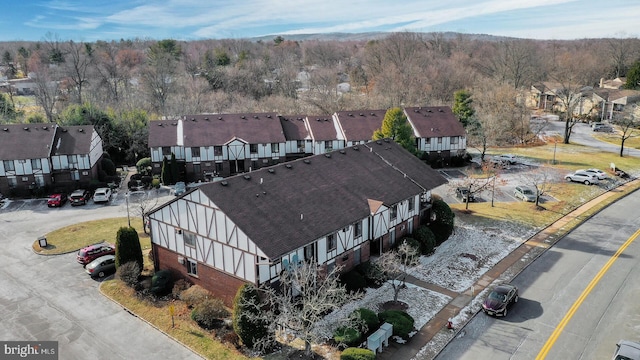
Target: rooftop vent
[
  {"x": 440, "y": 110},
  {"x": 255, "y": 116},
  {"x": 174, "y": 124},
  {"x": 271, "y": 170},
  {"x": 288, "y": 166},
  {"x": 81, "y": 130},
  {"x": 159, "y": 124},
  {"x": 247, "y": 177},
  {"x": 428, "y": 110},
  {"x": 269, "y": 116},
  {"x": 319, "y": 119},
  {"x": 327, "y": 155},
  {"x": 244, "y": 117},
  {"x": 219, "y": 117},
  {"x": 350, "y": 114},
  {"x": 5, "y": 129},
  {"x": 325, "y": 119},
  {"x": 193, "y": 119},
  {"x": 64, "y": 130},
  {"x": 224, "y": 183},
  {"x": 207, "y": 118},
  {"x": 306, "y": 161},
  {"x": 44, "y": 128},
  {"x": 379, "y": 142},
  {"x": 355, "y": 147},
  {"x": 361, "y": 114},
  {"x": 25, "y": 128},
  {"x": 342, "y": 152},
  {"x": 373, "y": 114}
]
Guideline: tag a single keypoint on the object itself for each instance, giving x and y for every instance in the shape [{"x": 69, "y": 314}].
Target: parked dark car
[
  {"x": 92, "y": 252},
  {"x": 499, "y": 299},
  {"x": 79, "y": 197},
  {"x": 101, "y": 267},
  {"x": 463, "y": 194},
  {"x": 57, "y": 200}
]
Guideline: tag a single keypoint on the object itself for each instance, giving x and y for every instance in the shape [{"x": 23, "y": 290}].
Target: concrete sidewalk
[{"x": 510, "y": 266}]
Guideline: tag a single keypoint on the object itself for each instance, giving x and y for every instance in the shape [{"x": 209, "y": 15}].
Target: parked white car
[
  {"x": 601, "y": 175},
  {"x": 102, "y": 195},
  {"x": 583, "y": 177}
]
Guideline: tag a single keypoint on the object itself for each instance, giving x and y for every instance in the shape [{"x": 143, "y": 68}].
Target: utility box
[{"x": 42, "y": 241}]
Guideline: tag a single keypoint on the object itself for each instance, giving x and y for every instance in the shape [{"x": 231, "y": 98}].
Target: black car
[
  {"x": 499, "y": 299},
  {"x": 101, "y": 267},
  {"x": 463, "y": 194},
  {"x": 79, "y": 197}
]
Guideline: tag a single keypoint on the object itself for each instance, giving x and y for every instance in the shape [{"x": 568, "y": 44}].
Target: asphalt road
[
  {"x": 52, "y": 298},
  {"x": 551, "y": 285}
]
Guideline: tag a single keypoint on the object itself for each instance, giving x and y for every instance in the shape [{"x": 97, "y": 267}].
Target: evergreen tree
[
  {"x": 166, "y": 172},
  {"x": 633, "y": 77},
  {"x": 462, "y": 107},
  {"x": 395, "y": 126},
  {"x": 175, "y": 176},
  {"x": 246, "y": 322},
  {"x": 128, "y": 247}
]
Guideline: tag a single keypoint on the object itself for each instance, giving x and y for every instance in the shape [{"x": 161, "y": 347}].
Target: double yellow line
[{"x": 558, "y": 330}]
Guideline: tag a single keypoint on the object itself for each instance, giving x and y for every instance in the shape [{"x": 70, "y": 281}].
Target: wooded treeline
[{"x": 132, "y": 81}]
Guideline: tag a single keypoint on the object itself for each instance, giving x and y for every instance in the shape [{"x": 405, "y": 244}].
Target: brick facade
[{"x": 223, "y": 286}]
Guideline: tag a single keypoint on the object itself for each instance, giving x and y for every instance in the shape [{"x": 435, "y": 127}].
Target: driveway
[
  {"x": 51, "y": 298},
  {"x": 583, "y": 135}
]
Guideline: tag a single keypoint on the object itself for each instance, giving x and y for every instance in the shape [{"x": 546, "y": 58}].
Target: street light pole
[
  {"x": 555, "y": 144},
  {"x": 126, "y": 196}
]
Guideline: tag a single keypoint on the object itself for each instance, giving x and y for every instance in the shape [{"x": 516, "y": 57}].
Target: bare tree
[
  {"x": 477, "y": 183},
  {"x": 46, "y": 79},
  {"x": 395, "y": 264},
  {"x": 79, "y": 58},
  {"x": 628, "y": 123},
  {"x": 140, "y": 205},
  {"x": 306, "y": 294},
  {"x": 541, "y": 180}
]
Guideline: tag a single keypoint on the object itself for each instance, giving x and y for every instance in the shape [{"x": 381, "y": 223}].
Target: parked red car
[
  {"x": 92, "y": 252},
  {"x": 56, "y": 200}
]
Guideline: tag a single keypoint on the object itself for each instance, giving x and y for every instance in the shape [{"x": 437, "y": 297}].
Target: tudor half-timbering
[
  {"x": 337, "y": 209},
  {"x": 438, "y": 132},
  {"x": 211, "y": 145}
]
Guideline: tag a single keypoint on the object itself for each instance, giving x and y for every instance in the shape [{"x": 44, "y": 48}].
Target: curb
[{"x": 532, "y": 250}]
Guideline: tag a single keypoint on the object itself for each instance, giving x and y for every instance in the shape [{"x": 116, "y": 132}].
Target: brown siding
[{"x": 221, "y": 285}]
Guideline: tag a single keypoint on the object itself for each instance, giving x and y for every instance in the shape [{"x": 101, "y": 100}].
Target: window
[
  {"x": 427, "y": 141},
  {"x": 300, "y": 145},
  {"x": 9, "y": 165},
  {"x": 331, "y": 242},
  {"x": 39, "y": 180},
  {"x": 454, "y": 140},
  {"x": 217, "y": 150},
  {"x": 394, "y": 212},
  {"x": 412, "y": 204},
  {"x": 309, "y": 252},
  {"x": 75, "y": 175},
  {"x": 328, "y": 145},
  {"x": 36, "y": 164},
  {"x": 218, "y": 168},
  {"x": 13, "y": 182},
  {"x": 195, "y": 152},
  {"x": 192, "y": 267},
  {"x": 439, "y": 140},
  {"x": 253, "y": 148},
  {"x": 275, "y": 148},
  {"x": 357, "y": 229},
  {"x": 166, "y": 150},
  {"x": 72, "y": 160},
  {"x": 189, "y": 238}
]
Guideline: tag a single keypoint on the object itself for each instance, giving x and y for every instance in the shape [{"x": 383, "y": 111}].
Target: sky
[{"x": 91, "y": 20}]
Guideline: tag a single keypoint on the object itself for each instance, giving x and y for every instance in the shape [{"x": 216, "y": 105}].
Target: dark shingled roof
[
  {"x": 73, "y": 140},
  {"x": 294, "y": 127},
  {"x": 287, "y": 206},
  {"x": 359, "y": 125},
  {"x": 434, "y": 121},
  {"x": 322, "y": 128},
  {"x": 217, "y": 129},
  {"x": 26, "y": 141}
]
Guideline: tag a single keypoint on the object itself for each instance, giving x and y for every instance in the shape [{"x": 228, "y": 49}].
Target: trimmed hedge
[
  {"x": 353, "y": 281},
  {"x": 209, "y": 313},
  {"x": 348, "y": 336},
  {"x": 246, "y": 322},
  {"x": 357, "y": 354},
  {"x": 426, "y": 238},
  {"x": 369, "y": 317},
  {"x": 401, "y": 321},
  {"x": 442, "y": 227},
  {"x": 373, "y": 274}
]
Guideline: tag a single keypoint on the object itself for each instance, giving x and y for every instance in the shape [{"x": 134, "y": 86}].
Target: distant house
[
  {"x": 336, "y": 209},
  {"x": 612, "y": 102},
  {"x": 212, "y": 145},
  {"x": 207, "y": 146},
  {"x": 47, "y": 157},
  {"x": 438, "y": 132},
  {"x": 547, "y": 97}
]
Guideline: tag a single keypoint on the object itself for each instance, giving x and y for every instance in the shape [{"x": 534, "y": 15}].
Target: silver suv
[
  {"x": 583, "y": 177},
  {"x": 525, "y": 193}
]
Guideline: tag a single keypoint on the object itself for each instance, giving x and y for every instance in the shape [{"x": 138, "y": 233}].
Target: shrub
[
  {"x": 194, "y": 295},
  {"x": 209, "y": 313},
  {"x": 426, "y": 238},
  {"x": 442, "y": 227},
  {"x": 357, "y": 354},
  {"x": 155, "y": 183},
  {"x": 353, "y": 281},
  {"x": 347, "y": 335},
  {"x": 373, "y": 274},
  {"x": 401, "y": 321},
  {"x": 413, "y": 244},
  {"x": 128, "y": 247},
  {"x": 246, "y": 323},
  {"x": 369, "y": 319},
  {"x": 161, "y": 282},
  {"x": 178, "y": 287},
  {"x": 232, "y": 339},
  {"x": 129, "y": 273}
]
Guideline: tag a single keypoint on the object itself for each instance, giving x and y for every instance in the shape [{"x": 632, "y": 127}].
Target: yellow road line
[{"x": 558, "y": 330}]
